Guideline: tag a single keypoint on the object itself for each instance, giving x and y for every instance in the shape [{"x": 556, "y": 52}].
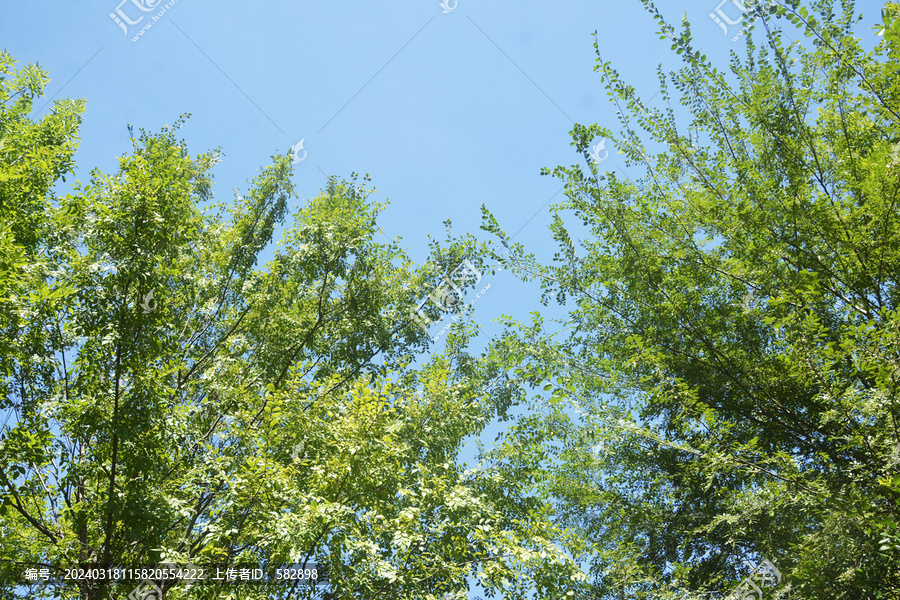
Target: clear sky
[
  {"x": 446, "y": 110},
  {"x": 448, "y": 107}
]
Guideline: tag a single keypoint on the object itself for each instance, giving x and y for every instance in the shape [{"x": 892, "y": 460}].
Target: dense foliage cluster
[
  {"x": 734, "y": 346},
  {"x": 169, "y": 402},
  {"x": 725, "y": 391}
]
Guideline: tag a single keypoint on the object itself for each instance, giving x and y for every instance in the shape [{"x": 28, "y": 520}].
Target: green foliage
[
  {"x": 732, "y": 351},
  {"x": 169, "y": 400}
]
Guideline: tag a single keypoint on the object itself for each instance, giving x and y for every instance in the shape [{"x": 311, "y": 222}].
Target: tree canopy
[
  {"x": 716, "y": 416},
  {"x": 732, "y": 349},
  {"x": 169, "y": 402}
]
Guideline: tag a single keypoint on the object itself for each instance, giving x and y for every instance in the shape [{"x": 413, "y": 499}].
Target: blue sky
[
  {"x": 446, "y": 110},
  {"x": 446, "y": 107}
]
